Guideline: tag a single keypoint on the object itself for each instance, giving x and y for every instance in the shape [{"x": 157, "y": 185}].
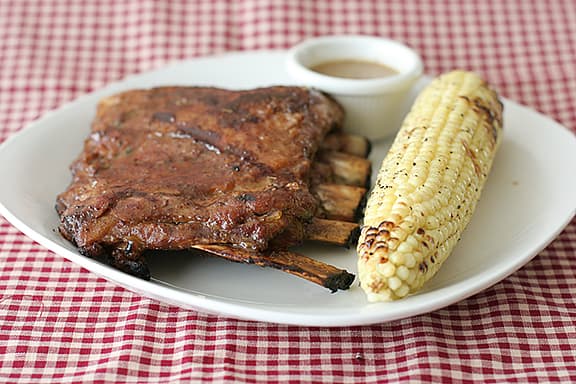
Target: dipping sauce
[{"x": 354, "y": 69}]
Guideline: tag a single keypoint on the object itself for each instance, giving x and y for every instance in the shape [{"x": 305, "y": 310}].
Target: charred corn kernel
[{"x": 428, "y": 185}]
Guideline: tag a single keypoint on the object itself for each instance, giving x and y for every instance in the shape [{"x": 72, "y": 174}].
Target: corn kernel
[{"x": 386, "y": 269}]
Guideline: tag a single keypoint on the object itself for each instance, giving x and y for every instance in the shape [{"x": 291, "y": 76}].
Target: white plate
[{"x": 529, "y": 198}]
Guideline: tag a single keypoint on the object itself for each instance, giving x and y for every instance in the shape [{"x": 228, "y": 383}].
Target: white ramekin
[{"x": 374, "y": 107}]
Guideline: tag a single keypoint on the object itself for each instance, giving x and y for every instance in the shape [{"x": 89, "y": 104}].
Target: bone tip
[
  {"x": 353, "y": 238},
  {"x": 368, "y": 148},
  {"x": 341, "y": 281},
  {"x": 137, "y": 268},
  {"x": 359, "y": 211},
  {"x": 368, "y": 180}
]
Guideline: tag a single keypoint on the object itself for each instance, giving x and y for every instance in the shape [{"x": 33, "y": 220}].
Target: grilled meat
[{"x": 176, "y": 168}]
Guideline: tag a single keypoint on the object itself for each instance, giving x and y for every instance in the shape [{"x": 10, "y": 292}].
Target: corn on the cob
[{"x": 428, "y": 185}]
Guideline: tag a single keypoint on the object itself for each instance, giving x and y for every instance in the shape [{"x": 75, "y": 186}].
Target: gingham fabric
[{"x": 61, "y": 324}]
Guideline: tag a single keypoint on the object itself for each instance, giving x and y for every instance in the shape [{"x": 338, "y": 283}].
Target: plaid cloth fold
[{"x": 59, "y": 323}]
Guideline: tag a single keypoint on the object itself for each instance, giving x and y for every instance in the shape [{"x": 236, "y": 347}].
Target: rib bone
[
  {"x": 347, "y": 143},
  {"x": 340, "y": 202},
  {"x": 334, "y": 232},
  {"x": 347, "y": 169},
  {"x": 296, "y": 264}
]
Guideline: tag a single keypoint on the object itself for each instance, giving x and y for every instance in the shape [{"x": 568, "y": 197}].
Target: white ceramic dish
[{"x": 529, "y": 198}]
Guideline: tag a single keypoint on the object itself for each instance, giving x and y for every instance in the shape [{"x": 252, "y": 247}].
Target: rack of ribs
[{"x": 243, "y": 175}]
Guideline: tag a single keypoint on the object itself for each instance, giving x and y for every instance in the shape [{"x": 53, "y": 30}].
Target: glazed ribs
[{"x": 243, "y": 175}]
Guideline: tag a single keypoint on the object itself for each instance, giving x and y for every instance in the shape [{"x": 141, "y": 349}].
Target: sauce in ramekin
[{"x": 354, "y": 69}]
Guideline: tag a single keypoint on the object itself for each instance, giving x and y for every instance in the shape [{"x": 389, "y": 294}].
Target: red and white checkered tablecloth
[{"x": 62, "y": 324}]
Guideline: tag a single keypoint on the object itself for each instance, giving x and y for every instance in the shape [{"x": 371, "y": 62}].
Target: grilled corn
[{"x": 428, "y": 185}]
